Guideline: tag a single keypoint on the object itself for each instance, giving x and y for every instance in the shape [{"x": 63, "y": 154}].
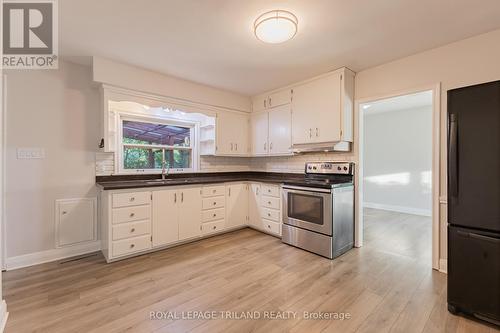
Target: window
[{"x": 150, "y": 145}]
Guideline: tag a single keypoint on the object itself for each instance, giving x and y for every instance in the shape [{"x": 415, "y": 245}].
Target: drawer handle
[
  {"x": 269, "y": 191},
  {"x": 215, "y": 215},
  {"x": 132, "y": 214},
  {"x": 214, "y": 227},
  {"x": 132, "y": 230},
  {"x": 215, "y": 203},
  {"x": 269, "y": 202},
  {"x": 132, "y": 199},
  {"x": 132, "y": 246},
  {"x": 269, "y": 214},
  {"x": 213, "y": 191},
  {"x": 269, "y": 226}
]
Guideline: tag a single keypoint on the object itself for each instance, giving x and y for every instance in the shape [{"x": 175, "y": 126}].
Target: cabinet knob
[
  {"x": 269, "y": 214},
  {"x": 213, "y": 191},
  {"x": 132, "y": 230},
  {"x": 132, "y": 246},
  {"x": 269, "y": 226},
  {"x": 269, "y": 202},
  {"x": 132, "y": 199},
  {"x": 215, "y": 203},
  {"x": 214, "y": 227},
  {"x": 215, "y": 215},
  {"x": 132, "y": 214}
]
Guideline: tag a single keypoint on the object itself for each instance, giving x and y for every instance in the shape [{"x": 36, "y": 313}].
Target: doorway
[{"x": 398, "y": 174}]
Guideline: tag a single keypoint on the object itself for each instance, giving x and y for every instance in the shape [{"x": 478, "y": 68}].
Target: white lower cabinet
[
  {"x": 189, "y": 213},
  {"x": 165, "y": 217},
  {"x": 138, "y": 221},
  {"x": 236, "y": 204},
  {"x": 265, "y": 208}
]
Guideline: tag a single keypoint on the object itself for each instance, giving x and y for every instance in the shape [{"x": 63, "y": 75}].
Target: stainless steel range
[{"x": 318, "y": 211}]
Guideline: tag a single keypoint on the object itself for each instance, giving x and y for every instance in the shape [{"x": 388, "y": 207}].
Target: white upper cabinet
[
  {"x": 280, "y": 135},
  {"x": 270, "y": 128},
  {"x": 271, "y": 100},
  {"x": 322, "y": 109},
  {"x": 232, "y": 134},
  {"x": 259, "y": 128}
]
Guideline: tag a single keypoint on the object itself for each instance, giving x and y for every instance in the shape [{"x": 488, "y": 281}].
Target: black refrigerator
[{"x": 474, "y": 201}]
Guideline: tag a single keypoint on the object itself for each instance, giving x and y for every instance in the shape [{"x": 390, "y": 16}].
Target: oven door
[{"x": 308, "y": 208}]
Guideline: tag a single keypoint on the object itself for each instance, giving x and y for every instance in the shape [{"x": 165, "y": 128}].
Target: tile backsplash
[{"x": 294, "y": 164}]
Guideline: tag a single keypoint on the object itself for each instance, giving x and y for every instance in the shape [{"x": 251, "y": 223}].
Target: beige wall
[
  {"x": 467, "y": 62},
  {"x": 57, "y": 110}
]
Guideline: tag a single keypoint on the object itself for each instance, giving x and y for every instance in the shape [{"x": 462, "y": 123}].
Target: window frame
[{"x": 194, "y": 126}]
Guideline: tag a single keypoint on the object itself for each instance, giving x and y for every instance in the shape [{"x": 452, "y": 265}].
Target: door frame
[{"x": 436, "y": 162}]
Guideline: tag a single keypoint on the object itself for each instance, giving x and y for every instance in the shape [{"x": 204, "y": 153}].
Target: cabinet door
[
  {"x": 280, "y": 98},
  {"x": 165, "y": 217},
  {"x": 236, "y": 204},
  {"x": 189, "y": 201},
  {"x": 280, "y": 130},
  {"x": 232, "y": 134},
  {"x": 254, "y": 214},
  {"x": 316, "y": 110},
  {"x": 259, "y": 103},
  {"x": 259, "y": 127}
]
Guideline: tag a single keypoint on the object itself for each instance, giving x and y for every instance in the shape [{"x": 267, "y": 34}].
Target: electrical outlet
[{"x": 30, "y": 153}]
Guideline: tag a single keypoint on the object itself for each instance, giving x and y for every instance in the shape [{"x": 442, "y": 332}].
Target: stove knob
[
  {"x": 339, "y": 168},
  {"x": 314, "y": 168},
  {"x": 309, "y": 167},
  {"x": 345, "y": 168}
]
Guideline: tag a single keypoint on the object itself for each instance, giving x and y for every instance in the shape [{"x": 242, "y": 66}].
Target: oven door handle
[{"x": 301, "y": 189}]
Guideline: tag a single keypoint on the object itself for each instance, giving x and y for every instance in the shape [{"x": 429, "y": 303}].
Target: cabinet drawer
[
  {"x": 212, "y": 191},
  {"x": 272, "y": 227},
  {"x": 131, "y": 245},
  {"x": 131, "y": 229},
  {"x": 215, "y": 202},
  {"x": 271, "y": 190},
  {"x": 270, "y": 214},
  {"x": 131, "y": 199},
  {"x": 270, "y": 202},
  {"x": 213, "y": 214},
  {"x": 129, "y": 214},
  {"x": 211, "y": 227}
]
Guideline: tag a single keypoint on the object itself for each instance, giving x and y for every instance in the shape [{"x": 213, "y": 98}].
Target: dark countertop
[{"x": 142, "y": 181}]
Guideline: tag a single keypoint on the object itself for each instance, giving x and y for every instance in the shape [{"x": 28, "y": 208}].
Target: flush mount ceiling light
[{"x": 276, "y": 26}]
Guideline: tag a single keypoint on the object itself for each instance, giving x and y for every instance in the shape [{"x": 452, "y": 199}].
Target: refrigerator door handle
[
  {"x": 477, "y": 236},
  {"x": 453, "y": 154}
]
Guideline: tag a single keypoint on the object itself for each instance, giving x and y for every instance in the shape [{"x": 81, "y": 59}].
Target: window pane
[
  {"x": 178, "y": 158},
  {"x": 141, "y": 158},
  {"x": 136, "y": 132}
]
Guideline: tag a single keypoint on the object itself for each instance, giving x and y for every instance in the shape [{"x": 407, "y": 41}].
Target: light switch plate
[{"x": 30, "y": 153}]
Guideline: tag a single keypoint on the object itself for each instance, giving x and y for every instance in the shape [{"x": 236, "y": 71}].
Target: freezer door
[
  {"x": 474, "y": 156},
  {"x": 474, "y": 272}
]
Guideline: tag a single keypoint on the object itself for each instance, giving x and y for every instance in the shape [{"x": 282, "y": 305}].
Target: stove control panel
[{"x": 332, "y": 168}]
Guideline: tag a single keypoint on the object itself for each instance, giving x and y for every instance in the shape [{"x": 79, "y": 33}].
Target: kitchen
[{"x": 221, "y": 186}]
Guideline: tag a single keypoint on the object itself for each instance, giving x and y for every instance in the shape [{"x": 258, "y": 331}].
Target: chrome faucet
[{"x": 163, "y": 164}]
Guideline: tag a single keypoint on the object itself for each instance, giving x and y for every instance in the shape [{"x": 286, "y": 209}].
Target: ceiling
[
  {"x": 404, "y": 102},
  {"x": 212, "y": 41}
]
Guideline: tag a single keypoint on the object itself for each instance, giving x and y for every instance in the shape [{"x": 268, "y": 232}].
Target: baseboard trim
[
  {"x": 3, "y": 315},
  {"x": 399, "y": 209},
  {"x": 36, "y": 258},
  {"x": 443, "y": 266}
]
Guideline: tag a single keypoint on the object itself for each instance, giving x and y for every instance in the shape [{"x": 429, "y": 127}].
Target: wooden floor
[{"x": 387, "y": 285}]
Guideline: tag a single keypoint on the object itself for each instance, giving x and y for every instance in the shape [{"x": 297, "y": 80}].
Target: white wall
[
  {"x": 397, "y": 160},
  {"x": 59, "y": 111},
  {"x": 127, "y": 76},
  {"x": 463, "y": 63}
]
